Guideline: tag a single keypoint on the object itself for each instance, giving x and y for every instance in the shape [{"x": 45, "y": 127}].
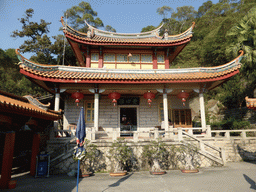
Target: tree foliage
[
  {"x": 164, "y": 11},
  {"x": 11, "y": 79},
  {"x": 37, "y": 41},
  {"x": 78, "y": 14},
  {"x": 109, "y": 28}
]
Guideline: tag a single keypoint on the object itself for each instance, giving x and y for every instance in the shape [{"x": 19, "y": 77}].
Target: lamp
[
  {"x": 114, "y": 96},
  {"x": 149, "y": 96}
]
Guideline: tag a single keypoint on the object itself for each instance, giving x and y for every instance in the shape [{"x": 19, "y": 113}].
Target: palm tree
[{"x": 243, "y": 36}]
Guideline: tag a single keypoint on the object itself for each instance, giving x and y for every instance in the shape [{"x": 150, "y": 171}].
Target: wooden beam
[{"x": 5, "y": 119}]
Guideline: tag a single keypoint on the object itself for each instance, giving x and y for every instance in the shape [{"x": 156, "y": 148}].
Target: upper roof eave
[
  {"x": 95, "y": 36},
  {"x": 84, "y": 75}
]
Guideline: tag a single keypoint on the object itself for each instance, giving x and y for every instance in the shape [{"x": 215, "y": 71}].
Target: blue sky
[{"x": 126, "y": 16}]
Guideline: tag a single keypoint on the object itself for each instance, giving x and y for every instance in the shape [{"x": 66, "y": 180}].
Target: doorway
[{"x": 128, "y": 120}]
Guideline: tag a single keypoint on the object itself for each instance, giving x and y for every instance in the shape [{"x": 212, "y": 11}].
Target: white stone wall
[
  {"x": 71, "y": 112},
  {"x": 147, "y": 117}
]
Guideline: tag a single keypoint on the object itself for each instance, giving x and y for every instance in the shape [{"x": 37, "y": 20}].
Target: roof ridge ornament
[{"x": 99, "y": 32}]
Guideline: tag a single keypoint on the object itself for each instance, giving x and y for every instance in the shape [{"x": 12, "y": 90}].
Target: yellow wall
[
  {"x": 161, "y": 66},
  {"x": 128, "y": 66},
  {"x": 109, "y": 66},
  {"x": 146, "y": 66},
  {"x": 94, "y": 65}
]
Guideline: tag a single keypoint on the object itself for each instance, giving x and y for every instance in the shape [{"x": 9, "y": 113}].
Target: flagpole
[{"x": 78, "y": 172}]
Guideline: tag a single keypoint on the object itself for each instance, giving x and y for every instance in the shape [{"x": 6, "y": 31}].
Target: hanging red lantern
[
  {"x": 149, "y": 96},
  {"x": 183, "y": 96},
  {"x": 114, "y": 96},
  {"x": 77, "y": 96}
]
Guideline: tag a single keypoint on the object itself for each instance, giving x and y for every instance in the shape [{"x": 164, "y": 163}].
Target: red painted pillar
[
  {"x": 35, "y": 151},
  {"x": 167, "y": 65},
  {"x": 154, "y": 61},
  {"x": 100, "y": 61},
  {"x": 7, "y": 160}
]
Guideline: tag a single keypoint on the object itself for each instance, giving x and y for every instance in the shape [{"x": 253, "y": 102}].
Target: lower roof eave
[{"x": 123, "y": 81}]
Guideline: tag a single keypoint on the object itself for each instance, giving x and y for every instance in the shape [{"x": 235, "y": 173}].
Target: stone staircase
[
  {"x": 60, "y": 154},
  {"x": 211, "y": 152}
]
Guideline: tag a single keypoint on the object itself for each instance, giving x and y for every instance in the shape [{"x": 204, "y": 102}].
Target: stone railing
[
  {"x": 154, "y": 133},
  {"x": 239, "y": 134}
]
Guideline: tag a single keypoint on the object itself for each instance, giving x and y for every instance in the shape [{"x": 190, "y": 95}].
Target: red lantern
[
  {"x": 183, "y": 96},
  {"x": 114, "y": 96},
  {"x": 149, "y": 96},
  {"x": 77, "y": 96}
]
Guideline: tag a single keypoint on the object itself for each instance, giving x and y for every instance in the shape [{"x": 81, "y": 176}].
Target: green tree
[
  {"x": 11, "y": 79},
  {"x": 148, "y": 28},
  {"x": 37, "y": 40},
  {"x": 185, "y": 15},
  {"x": 164, "y": 11},
  {"x": 78, "y": 14},
  {"x": 109, "y": 28},
  {"x": 204, "y": 8},
  {"x": 57, "y": 49},
  {"x": 243, "y": 37}
]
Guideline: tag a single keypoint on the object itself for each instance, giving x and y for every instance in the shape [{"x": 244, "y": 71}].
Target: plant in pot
[
  {"x": 156, "y": 155},
  {"x": 119, "y": 155},
  {"x": 87, "y": 158},
  {"x": 188, "y": 156}
]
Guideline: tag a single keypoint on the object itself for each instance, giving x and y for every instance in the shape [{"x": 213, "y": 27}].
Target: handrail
[{"x": 215, "y": 148}]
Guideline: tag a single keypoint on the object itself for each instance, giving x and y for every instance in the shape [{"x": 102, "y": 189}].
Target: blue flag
[{"x": 80, "y": 129}]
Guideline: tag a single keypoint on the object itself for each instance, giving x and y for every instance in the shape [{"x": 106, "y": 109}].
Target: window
[
  {"x": 121, "y": 58},
  {"x": 161, "y": 112},
  {"x": 95, "y": 57},
  {"x": 89, "y": 112},
  {"x": 181, "y": 117},
  {"x": 109, "y": 57},
  {"x": 135, "y": 58},
  {"x": 160, "y": 58},
  {"x": 146, "y": 58}
]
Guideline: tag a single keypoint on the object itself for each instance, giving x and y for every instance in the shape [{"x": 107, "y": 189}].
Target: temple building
[{"x": 124, "y": 81}]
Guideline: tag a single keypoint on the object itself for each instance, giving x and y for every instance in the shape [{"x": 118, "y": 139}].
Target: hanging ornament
[
  {"x": 114, "y": 96},
  {"x": 77, "y": 96},
  {"x": 183, "y": 96},
  {"x": 149, "y": 96}
]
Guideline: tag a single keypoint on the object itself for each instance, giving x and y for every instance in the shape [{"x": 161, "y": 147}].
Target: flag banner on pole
[{"x": 80, "y": 135}]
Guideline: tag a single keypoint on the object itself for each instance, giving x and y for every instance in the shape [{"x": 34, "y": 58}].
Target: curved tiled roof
[
  {"x": 84, "y": 75},
  {"x": 12, "y": 105},
  {"x": 250, "y": 103},
  {"x": 97, "y": 36}
]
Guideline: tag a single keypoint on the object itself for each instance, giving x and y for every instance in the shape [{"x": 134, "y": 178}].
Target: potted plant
[
  {"x": 87, "y": 159},
  {"x": 187, "y": 155},
  {"x": 156, "y": 155},
  {"x": 119, "y": 155}
]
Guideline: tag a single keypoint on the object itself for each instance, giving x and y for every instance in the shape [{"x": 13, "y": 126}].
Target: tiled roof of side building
[
  {"x": 95, "y": 35},
  {"x": 250, "y": 103},
  {"x": 83, "y": 75},
  {"x": 21, "y": 106}
]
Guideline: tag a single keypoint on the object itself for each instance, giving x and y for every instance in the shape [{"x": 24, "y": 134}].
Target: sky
[{"x": 126, "y": 16}]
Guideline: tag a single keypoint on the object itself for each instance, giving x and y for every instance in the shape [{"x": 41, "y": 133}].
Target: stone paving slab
[{"x": 234, "y": 177}]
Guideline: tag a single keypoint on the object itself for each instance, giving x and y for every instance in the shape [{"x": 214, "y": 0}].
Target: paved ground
[{"x": 230, "y": 178}]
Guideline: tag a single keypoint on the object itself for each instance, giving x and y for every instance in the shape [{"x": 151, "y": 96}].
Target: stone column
[
  {"x": 165, "y": 105},
  {"x": 202, "y": 111},
  {"x": 57, "y": 102},
  {"x": 56, "y": 108},
  {"x": 96, "y": 111}
]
